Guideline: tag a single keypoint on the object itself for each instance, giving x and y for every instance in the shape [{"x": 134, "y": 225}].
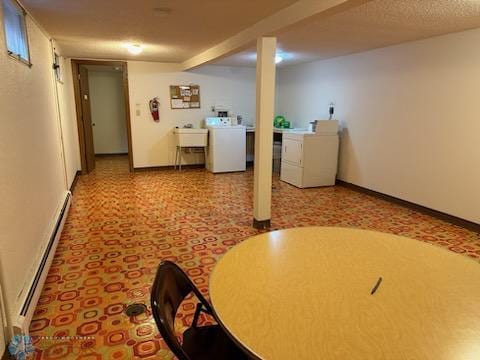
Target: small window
[{"x": 15, "y": 30}]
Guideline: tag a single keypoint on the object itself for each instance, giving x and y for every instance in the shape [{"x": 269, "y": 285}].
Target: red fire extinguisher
[{"x": 154, "y": 106}]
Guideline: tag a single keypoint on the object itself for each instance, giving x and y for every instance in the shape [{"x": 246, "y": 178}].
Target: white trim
[{"x": 3, "y": 325}]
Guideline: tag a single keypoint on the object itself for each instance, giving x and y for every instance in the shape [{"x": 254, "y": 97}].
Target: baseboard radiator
[{"x": 26, "y": 313}]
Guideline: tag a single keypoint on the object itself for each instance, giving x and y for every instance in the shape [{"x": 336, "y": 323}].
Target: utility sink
[{"x": 188, "y": 137}]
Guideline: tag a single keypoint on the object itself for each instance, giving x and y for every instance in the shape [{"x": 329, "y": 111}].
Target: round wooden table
[{"x": 306, "y": 293}]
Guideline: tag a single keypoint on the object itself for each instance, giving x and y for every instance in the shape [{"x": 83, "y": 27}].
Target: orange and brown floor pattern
[{"x": 121, "y": 225}]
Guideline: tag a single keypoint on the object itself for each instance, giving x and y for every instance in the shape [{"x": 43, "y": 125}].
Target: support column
[{"x": 262, "y": 192}]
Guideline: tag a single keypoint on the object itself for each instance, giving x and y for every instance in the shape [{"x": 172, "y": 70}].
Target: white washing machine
[
  {"x": 310, "y": 159},
  {"x": 226, "y": 145}
]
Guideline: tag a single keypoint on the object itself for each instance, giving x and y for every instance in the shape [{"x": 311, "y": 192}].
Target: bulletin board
[{"x": 185, "y": 96}]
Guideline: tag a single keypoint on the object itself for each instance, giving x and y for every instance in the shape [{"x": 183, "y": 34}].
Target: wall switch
[{"x": 137, "y": 112}]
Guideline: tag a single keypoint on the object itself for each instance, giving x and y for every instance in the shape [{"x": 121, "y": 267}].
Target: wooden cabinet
[{"x": 309, "y": 159}]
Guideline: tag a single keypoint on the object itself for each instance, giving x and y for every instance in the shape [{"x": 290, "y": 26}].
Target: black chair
[{"x": 170, "y": 288}]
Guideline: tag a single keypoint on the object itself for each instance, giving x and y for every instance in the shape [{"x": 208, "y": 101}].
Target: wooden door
[{"x": 87, "y": 119}]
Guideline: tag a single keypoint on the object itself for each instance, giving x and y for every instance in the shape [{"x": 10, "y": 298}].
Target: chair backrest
[{"x": 170, "y": 287}]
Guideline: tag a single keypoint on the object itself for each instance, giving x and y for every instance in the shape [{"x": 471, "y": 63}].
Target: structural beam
[
  {"x": 281, "y": 20},
  {"x": 262, "y": 194}
]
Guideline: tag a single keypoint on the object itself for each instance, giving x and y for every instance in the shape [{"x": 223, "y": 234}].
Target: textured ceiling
[
  {"x": 98, "y": 28},
  {"x": 375, "y": 24}
]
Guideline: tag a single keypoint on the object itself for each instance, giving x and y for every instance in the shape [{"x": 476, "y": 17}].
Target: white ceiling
[
  {"x": 375, "y": 24},
  {"x": 99, "y": 28}
]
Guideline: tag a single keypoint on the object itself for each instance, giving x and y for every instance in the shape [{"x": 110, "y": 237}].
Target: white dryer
[{"x": 226, "y": 145}]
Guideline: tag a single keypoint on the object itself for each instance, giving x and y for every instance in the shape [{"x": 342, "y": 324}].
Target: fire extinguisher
[{"x": 154, "y": 106}]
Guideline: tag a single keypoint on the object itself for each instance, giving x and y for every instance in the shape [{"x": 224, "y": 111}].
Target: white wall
[
  {"x": 153, "y": 143},
  {"x": 411, "y": 117},
  {"x": 32, "y": 180},
  {"x": 68, "y": 118},
  {"x": 108, "y": 112}
]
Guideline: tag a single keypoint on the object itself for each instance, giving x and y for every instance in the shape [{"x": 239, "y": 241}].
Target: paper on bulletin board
[
  {"x": 185, "y": 96},
  {"x": 177, "y": 104}
]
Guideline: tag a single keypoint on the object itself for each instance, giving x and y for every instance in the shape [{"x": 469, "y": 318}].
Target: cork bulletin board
[{"x": 185, "y": 96}]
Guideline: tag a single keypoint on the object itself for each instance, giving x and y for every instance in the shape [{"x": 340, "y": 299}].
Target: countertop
[{"x": 251, "y": 129}]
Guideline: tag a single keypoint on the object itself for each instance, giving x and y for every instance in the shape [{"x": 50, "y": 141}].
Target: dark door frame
[{"x": 78, "y": 106}]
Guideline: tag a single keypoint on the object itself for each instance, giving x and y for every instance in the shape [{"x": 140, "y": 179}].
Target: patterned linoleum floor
[{"x": 121, "y": 225}]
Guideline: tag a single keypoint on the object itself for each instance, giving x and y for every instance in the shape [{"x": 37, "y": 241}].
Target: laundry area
[
  {"x": 302, "y": 157},
  {"x": 211, "y": 122}
]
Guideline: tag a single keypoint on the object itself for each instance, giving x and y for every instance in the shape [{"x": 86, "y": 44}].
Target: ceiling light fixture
[
  {"x": 278, "y": 59},
  {"x": 134, "y": 49}
]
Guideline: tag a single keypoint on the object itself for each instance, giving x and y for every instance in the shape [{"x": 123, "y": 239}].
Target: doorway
[{"x": 103, "y": 110}]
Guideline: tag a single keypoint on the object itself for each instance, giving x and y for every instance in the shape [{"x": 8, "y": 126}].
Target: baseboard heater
[{"x": 26, "y": 313}]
